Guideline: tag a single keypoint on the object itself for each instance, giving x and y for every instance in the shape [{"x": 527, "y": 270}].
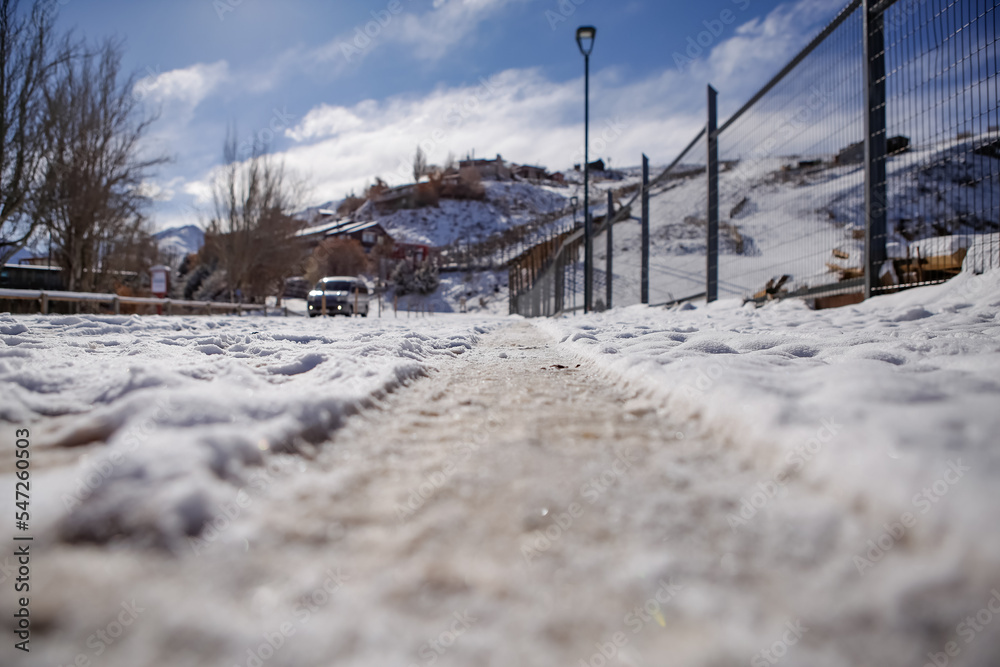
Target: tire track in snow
[{"x": 510, "y": 508}]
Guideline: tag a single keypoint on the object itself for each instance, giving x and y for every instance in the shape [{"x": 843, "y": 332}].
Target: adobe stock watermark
[
  {"x": 303, "y": 611},
  {"x": 228, "y": 512},
  {"x": 635, "y": 620},
  {"x": 103, "y": 638},
  {"x": 280, "y": 121},
  {"x": 223, "y": 7},
  {"x": 452, "y": 119},
  {"x": 97, "y": 473},
  {"x": 564, "y": 10},
  {"x": 967, "y": 630},
  {"x": 775, "y": 486},
  {"x": 433, "y": 649},
  {"x": 144, "y": 86},
  {"x": 773, "y": 654},
  {"x": 364, "y": 36},
  {"x": 924, "y": 501},
  {"x": 697, "y": 45},
  {"x": 591, "y": 491},
  {"x": 437, "y": 479},
  {"x": 794, "y": 122},
  {"x": 612, "y": 131}
]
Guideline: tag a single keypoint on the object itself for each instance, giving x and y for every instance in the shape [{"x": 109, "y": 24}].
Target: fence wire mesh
[
  {"x": 943, "y": 187},
  {"x": 808, "y": 205},
  {"x": 791, "y": 182}
]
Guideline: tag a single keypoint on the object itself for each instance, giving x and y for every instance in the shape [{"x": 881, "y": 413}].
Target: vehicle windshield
[{"x": 335, "y": 286}]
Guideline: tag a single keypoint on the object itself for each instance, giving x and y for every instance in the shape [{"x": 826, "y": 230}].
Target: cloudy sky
[{"x": 344, "y": 91}]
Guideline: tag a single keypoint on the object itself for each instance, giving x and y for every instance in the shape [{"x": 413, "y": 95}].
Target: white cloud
[
  {"x": 430, "y": 36},
  {"x": 529, "y": 118},
  {"x": 201, "y": 191},
  {"x": 187, "y": 87},
  {"x": 518, "y": 113},
  {"x": 765, "y": 44},
  {"x": 433, "y": 34},
  {"x": 326, "y": 121}
]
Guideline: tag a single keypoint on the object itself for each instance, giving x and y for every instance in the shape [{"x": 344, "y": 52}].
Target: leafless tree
[
  {"x": 27, "y": 59},
  {"x": 252, "y": 231},
  {"x": 92, "y": 198},
  {"x": 337, "y": 257},
  {"x": 419, "y": 165}
]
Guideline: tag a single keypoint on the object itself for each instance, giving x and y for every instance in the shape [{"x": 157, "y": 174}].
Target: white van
[{"x": 343, "y": 295}]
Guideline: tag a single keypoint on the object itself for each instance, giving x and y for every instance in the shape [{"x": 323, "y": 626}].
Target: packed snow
[
  {"x": 182, "y": 406},
  {"x": 825, "y": 476}
]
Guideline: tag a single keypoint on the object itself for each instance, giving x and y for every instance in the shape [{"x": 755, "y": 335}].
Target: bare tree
[
  {"x": 337, "y": 257},
  {"x": 92, "y": 197},
  {"x": 25, "y": 67},
  {"x": 419, "y": 165},
  {"x": 252, "y": 231}
]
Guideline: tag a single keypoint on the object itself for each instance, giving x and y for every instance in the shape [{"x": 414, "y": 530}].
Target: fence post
[
  {"x": 45, "y": 303},
  {"x": 117, "y": 304},
  {"x": 875, "y": 146},
  {"x": 644, "y": 276},
  {"x": 610, "y": 250},
  {"x": 712, "y": 256},
  {"x": 560, "y": 275}
]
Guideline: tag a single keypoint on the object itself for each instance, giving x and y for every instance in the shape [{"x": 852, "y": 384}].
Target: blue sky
[{"x": 345, "y": 91}]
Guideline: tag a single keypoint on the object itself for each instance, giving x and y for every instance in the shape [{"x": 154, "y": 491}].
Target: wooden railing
[{"x": 167, "y": 306}]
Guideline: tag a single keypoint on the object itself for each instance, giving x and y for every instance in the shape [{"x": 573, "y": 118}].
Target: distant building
[
  {"x": 855, "y": 153},
  {"x": 370, "y": 235},
  {"x": 529, "y": 172},
  {"x": 402, "y": 196},
  {"x": 26, "y": 276},
  {"x": 489, "y": 170},
  {"x": 415, "y": 252}
]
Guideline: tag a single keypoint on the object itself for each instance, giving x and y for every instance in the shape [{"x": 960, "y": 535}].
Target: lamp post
[{"x": 585, "y": 36}]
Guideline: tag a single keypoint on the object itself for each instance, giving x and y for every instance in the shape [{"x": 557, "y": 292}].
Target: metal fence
[
  {"x": 41, "y": 301},
  {"x": 868, "y": 164}
]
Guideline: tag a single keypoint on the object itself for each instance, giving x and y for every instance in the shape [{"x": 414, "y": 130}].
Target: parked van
[{"x": 344, "y": 295}]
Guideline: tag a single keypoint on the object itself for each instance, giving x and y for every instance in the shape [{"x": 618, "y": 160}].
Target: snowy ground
[{"x": 702, "y": 486}]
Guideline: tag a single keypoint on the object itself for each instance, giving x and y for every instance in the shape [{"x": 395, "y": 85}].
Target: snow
[
  {"x": 506, "y": 205},
  {"x": 186, "y": 404},
  {"x": 781, "y": 452},
  {"x": 869, "y": 403}
]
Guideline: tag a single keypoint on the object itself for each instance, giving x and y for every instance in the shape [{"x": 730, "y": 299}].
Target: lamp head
[{"x": 585, "y": 36}]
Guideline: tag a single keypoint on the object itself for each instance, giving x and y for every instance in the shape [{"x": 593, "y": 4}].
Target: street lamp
[{"x": 585, "y": 36}]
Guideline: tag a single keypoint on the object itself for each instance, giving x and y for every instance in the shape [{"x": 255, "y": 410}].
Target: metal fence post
[
  {"x": 712, "y": 256},
  {"x": 560, "y": 275},
  {"x": 644, "y": 276},
  {"x": 875, "y": 145},
  {"x": 611, "y": 246}
]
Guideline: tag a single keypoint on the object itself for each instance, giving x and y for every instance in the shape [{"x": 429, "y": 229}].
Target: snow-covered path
[{"x": 515, "y": 507}]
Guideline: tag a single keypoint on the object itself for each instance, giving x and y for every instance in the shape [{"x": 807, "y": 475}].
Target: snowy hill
[
  {"x": 506, "y": 204},
  {"x": 178, "y": 242}
]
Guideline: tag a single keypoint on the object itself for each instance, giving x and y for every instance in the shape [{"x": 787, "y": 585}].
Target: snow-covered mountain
[{"x": 178, "y": 242}]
